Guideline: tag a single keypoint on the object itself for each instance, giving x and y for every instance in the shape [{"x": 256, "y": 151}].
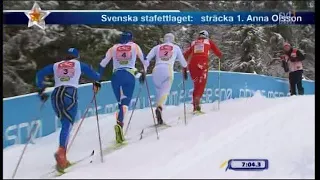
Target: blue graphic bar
[{"x": 163, "y": 18}]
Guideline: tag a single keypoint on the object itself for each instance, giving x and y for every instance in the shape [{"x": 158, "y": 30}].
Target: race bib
[
  {"x": 124, "y": 54},
  {"x": 66, "y": 71},
  {"x": 165, "y": 52},
  {"x": 198, "y": 48}
]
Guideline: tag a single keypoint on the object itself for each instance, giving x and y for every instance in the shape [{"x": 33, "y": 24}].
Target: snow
[
  {"x": 280, "y": 130},
  {"x": 184, "y": 28},
  {"x": 188, "y": 4},
  {"x": 279, "y": 36}
]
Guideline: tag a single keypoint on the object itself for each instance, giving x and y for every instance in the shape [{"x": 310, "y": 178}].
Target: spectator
[{"x": 292, "y": 63}]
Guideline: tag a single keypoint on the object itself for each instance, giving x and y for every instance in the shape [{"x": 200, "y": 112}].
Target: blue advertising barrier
[{"x": 22, "y": 112}]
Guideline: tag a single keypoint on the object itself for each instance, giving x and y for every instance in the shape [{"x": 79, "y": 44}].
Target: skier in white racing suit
[{"x": 165, "y": 55}]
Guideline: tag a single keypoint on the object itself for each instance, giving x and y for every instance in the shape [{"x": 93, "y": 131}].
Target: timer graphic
[{"x": 248, "y": 164}]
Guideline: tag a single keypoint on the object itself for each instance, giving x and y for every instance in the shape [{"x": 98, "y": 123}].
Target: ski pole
[
  {"x": 134, "y": 107},
  {"x": 25, "y": 146},
  {"x": 184, "y": 102},
  {"x": 95, "y": 103},
  {"x": 219, "y": 79},
  {"x": 154, "y": 119},
  {"x": 78, "y": 128}
]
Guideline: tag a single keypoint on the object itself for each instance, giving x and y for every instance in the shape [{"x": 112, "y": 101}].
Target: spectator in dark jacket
[{"x": 292, "y": 63}]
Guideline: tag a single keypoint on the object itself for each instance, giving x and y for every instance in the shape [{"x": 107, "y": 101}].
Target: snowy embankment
[{"x": 280, "y": 130}]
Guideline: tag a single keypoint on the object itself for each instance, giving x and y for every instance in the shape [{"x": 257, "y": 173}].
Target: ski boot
[
  {"x": 196, "y": 105},
  {"x": 197, "y": 110},
  {"x": 118, "y": 128},
  {"x": 61, "y": 158},
  {"x": 159, "y": 115},
  {"x": 301, "y": 91}
]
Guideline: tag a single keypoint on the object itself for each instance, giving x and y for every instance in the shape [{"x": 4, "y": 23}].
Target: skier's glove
[
  {"x": 142, "y": 77},
  {"x": 185, "y": 74},
  {"x": 96, "y": 87},
  {"x": 43, "y": 97}
]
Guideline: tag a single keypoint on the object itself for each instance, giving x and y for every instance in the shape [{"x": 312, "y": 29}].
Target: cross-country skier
[
  {"x": 124, "y": 55},
  {"x": 64, "y": 96},
  {"x": 199, "y": 65},
  {"x": 165, "y": 55}
]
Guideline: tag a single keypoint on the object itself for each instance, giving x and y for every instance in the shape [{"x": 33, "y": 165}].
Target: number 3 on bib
[
  {"x": 124, "y": 54},
  {"x": 66, "y": 71},
  {"x": 165, "y": 52}
]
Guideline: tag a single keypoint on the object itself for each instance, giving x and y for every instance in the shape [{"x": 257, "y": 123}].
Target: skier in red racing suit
[{"x": 199, "y": 64}]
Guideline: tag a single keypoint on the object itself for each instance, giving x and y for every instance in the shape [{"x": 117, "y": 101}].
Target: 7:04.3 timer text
[{"x": 251, "y": 164}]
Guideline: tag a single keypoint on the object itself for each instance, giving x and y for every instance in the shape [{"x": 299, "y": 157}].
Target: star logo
[{"x": 36, "y": 16}]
